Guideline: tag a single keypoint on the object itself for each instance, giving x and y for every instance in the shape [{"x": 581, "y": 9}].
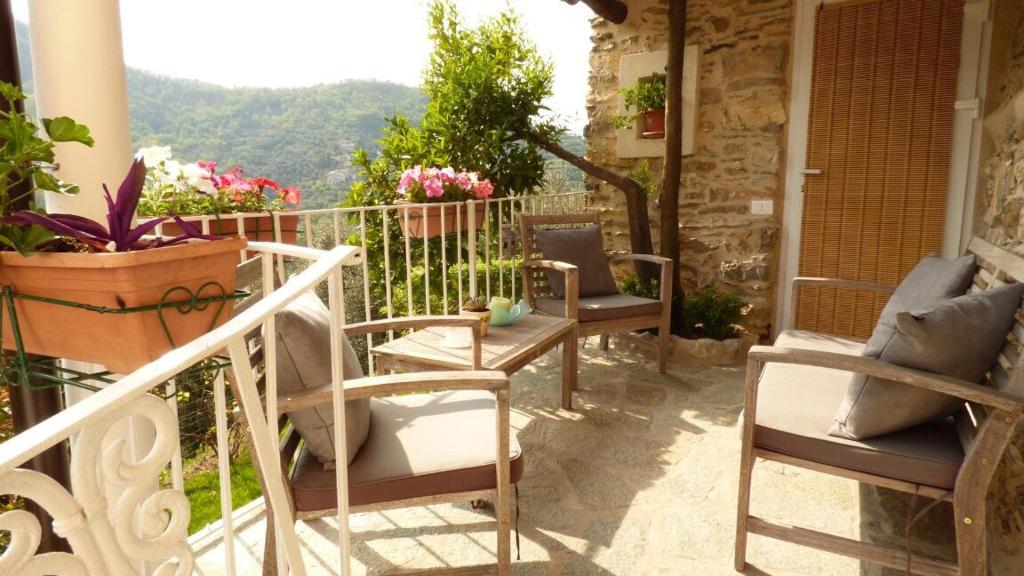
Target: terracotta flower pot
[
  {"x": 259, "y": 227},
  {"x": 121, "y": 342},
  {"x": 484, "y": 317},
  {"x": 654, "y": 124},
  {"x": 418, "y": 228}
]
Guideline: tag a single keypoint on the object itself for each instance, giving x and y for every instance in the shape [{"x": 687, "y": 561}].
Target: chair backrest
[
  {"x": 536, "y": 281},
  {"x": 984, "y": 441}
]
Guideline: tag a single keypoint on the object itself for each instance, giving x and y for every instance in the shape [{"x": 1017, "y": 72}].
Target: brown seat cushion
[
  {"x": 796, "y": 405},
  {"x": 597, "y": 308},
  {"x": 583, "y": 248},
  {"x": 419, "y": 445}
]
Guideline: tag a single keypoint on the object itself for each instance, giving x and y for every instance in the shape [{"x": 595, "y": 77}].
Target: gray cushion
[
  {"x": 929, "y": 454},
  {"x": 419, "y": 445},
  {"x": 961, "y": 337},
  {"x": 933, "y": 280},
  {"x": 583, "y": 248},
  {"x": 598, "y": 308},
  {"x": 304, "y": 362}
]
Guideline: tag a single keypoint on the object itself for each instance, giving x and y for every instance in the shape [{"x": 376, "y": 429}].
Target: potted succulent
[
  {"x": 196, "y": 188},
  {"x": 477, "y": 308},
  {"x": 420, "y": 186},
  {"x": 645, "y": 100},
  {"x": 112, "y": 294}
]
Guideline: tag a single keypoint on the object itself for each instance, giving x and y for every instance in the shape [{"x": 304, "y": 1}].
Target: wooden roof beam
[{"x": 614, "y": 11}]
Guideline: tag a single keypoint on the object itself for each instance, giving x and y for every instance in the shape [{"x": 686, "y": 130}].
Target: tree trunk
[
  {"x": 636, "y": 201},
  {"x": 669, "y": 217}
]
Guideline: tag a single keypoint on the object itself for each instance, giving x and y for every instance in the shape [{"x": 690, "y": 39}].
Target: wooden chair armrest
[
  {"x": 572, "y": 282},
  {"x": 660, "y": 260},
  {"x": 410, "y": 323},
  {"x": 396, "y": 384},
  {"x": 962, "y": 389}
]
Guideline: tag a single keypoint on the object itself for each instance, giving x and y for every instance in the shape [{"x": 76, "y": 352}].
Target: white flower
[
  {"x": 205, "y": 185},
  {"x": 154, "y": 155}
]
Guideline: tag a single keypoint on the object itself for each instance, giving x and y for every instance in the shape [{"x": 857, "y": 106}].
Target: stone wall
[
  {"x": 739, "y": 147},
  {"x": 999, "y": 204}
]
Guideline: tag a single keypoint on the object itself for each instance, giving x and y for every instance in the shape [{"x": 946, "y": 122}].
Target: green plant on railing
[
  {"x": 647, "y": 94},
  {"x": 636, "y": 286},
  {"x": 709, "y": 313}
]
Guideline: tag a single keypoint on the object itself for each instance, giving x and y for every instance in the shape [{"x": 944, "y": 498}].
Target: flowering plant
[
  {"x": 421, "y": 184},
  {"x": 196, "y": 188}
]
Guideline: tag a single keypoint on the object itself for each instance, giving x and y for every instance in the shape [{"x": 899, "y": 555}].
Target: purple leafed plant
[{"x": 119, "y": 235}]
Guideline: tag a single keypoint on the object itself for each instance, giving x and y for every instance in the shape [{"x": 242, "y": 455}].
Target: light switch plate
[{"x": 762, "y": 207}]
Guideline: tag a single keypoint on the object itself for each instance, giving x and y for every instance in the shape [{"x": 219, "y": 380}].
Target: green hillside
[{"x": 299, "y": 136}]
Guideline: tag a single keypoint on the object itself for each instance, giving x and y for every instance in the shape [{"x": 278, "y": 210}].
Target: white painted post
[
  {"x": 471, "y": 240},
  {"x": 78, "y": 65}
]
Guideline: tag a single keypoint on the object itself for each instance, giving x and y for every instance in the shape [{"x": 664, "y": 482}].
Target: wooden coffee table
[{"x": 506, "y": 349}]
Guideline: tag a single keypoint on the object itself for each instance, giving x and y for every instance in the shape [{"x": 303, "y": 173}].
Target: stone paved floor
[{"x": 640, "y": 479}]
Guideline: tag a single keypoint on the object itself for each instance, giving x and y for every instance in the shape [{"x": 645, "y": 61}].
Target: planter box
[
  {"x": 120, "y": 342},
  {"x": 691, "y": 352},
  {"x": 431, "y": 226},
  {"x": 259, "y": 227}
]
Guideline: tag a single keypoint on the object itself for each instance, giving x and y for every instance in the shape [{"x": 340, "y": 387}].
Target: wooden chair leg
[
  {"x": 604, "y": 342},
  {"x": 971, "y": 545},
  {"x": 270, "y": 547},
  {"x": 663, "y": 346},
  {"x": 743, "y": 509}
]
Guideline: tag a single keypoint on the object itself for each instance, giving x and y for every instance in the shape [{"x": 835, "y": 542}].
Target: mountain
[{"x": 298, "y": 136}]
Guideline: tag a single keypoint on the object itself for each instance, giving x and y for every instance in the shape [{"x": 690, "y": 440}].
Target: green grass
[{"x": 203, "y": 490}]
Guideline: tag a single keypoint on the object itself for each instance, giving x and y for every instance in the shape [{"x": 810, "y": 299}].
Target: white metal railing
[
  {"x": 454, "y": 261},
  {"x": 114, "y": 516}
]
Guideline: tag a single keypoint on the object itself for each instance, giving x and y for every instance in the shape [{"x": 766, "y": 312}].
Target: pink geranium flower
[
  {"x": 290, "y": 195},
  {"x": 210, "y": 166},
  {"x": 447, "y": 174},
  {"x": 483, "y": 189},
  {"x": 464, "y": 180},
  {"x": 434, "y": 187}
]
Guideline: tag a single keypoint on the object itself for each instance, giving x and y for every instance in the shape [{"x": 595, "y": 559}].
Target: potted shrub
[
  {"x": 477, "y": 307},
  {"x": 197, "y": 189},
  {"x": 113, "y": 294},
  {"x": 645, "y": 100},
  {"x": 421, "y": 186},
  {"x": 712, "y": 334}
]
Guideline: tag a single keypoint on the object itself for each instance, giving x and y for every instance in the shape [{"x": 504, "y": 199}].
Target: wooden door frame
[{"x": 967, "y": 133}]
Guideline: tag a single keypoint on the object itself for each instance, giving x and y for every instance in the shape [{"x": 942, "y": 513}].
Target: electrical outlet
[{"x": 762, "y": 207}]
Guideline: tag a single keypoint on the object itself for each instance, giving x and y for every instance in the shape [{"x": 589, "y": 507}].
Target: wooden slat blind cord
[{"x": 883, "y": 89}]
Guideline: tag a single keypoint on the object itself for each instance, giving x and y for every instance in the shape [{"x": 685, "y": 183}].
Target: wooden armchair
[
  {"x": 434, "y": 437},
  {"x": 598, "y": 315},
  {"x": 952, "y": 460}
]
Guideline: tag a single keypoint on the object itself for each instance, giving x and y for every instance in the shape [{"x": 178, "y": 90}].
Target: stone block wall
[
  {"x": 998, "y": 210},
  {"x": 739, "y": 146}
]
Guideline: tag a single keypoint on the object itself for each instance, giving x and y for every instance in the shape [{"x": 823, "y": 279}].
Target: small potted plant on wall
[
  {"x": 196, "y": 188},
  {"x": 110, "y": 294},
  {"x": 421, "y": 186},
  {"x": 645, "y": 101}
]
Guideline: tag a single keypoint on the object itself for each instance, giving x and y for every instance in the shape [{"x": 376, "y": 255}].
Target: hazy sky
[{"x": 259, "y": 42}]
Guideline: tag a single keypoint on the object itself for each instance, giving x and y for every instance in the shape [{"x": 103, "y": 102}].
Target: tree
[{"x": 669, "y": 218}]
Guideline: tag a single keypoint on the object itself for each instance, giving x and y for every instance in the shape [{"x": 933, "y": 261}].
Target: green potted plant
[
  {"x": 477, "y": 308},
  {"x": 645, "y": 100},
  {"x": 196, "y": 188},
  {"x": 712, "y": 334},
  {"x": 429, "y": 185},
  {"x": 105, "y": 293}
]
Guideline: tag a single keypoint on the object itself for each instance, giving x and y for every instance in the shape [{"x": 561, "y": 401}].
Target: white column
[{"x": 78, "y": 64}]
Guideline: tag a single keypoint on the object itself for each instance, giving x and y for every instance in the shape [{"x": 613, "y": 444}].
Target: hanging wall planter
[
  {"x": 119, "y": 309},
  {"x": 654, "y": 123}
]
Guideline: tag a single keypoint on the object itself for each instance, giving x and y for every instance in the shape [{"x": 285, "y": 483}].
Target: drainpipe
[{"x": 30, "y": 406}]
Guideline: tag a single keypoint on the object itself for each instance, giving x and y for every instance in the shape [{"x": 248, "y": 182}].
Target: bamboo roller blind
[{"x": 880, "y": 130}]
